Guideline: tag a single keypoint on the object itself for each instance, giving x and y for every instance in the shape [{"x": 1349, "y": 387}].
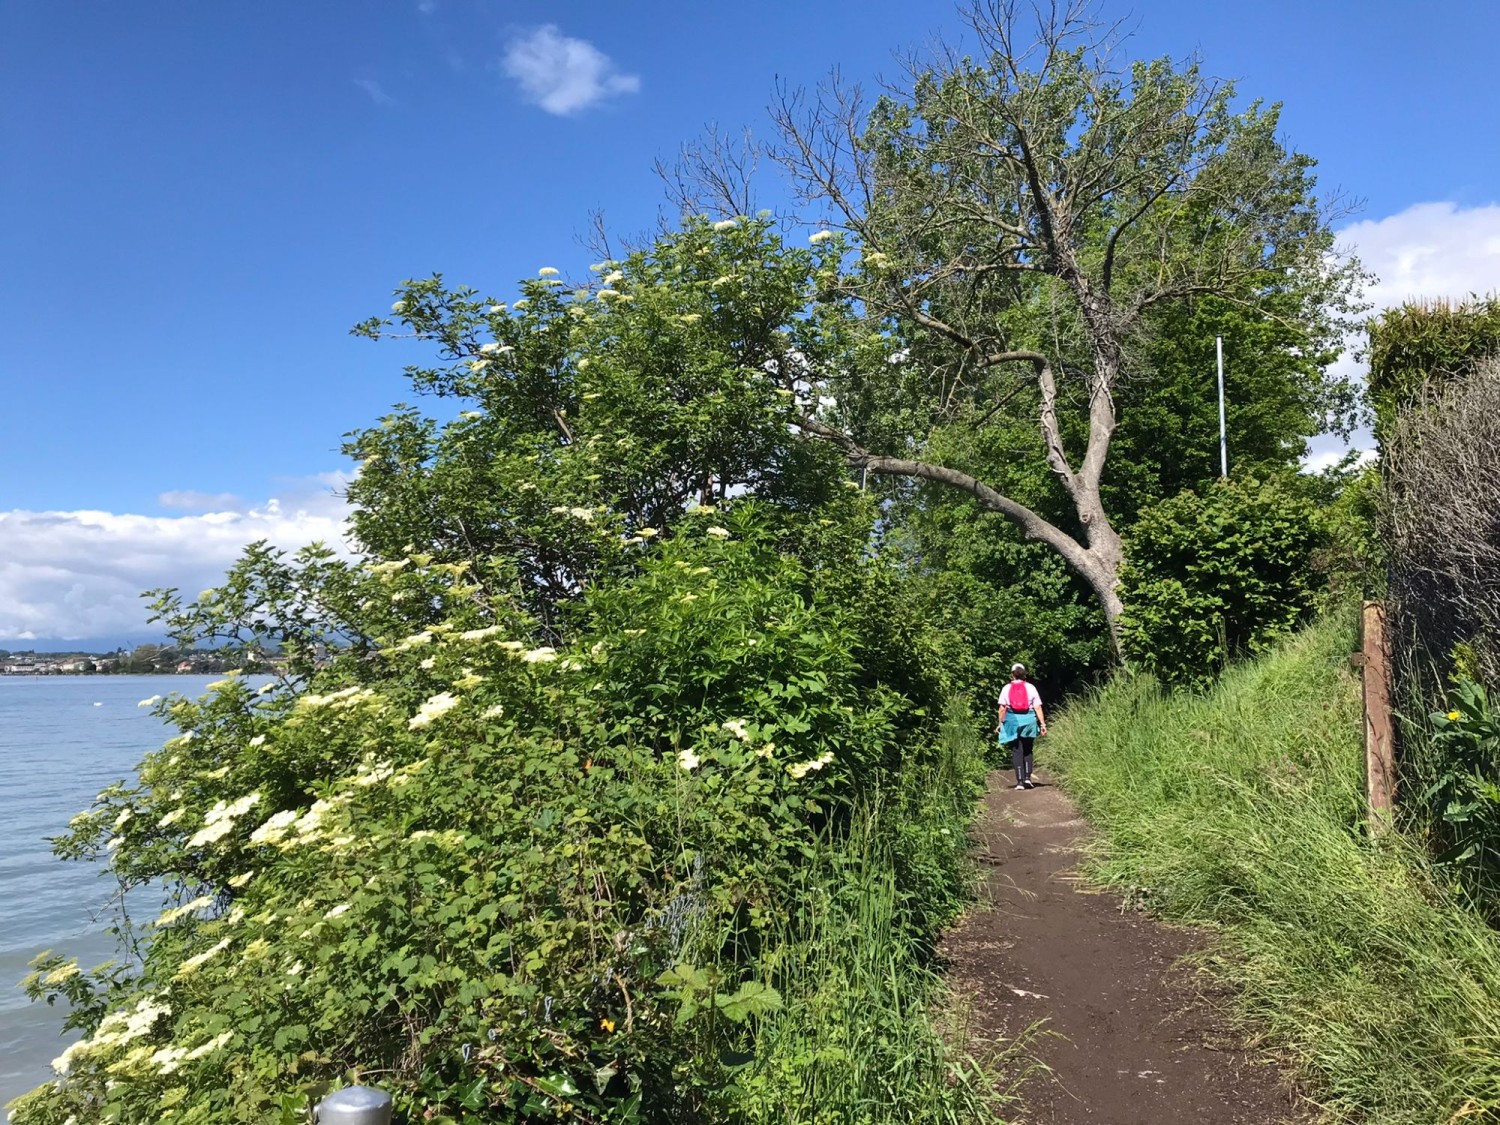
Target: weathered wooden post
[
  {"x": 1380, "y": 761},
  {"x": 354, "y": 1105}
]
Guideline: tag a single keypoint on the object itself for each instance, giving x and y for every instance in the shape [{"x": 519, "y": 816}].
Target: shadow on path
[{"x": 1129, "y": 1037}]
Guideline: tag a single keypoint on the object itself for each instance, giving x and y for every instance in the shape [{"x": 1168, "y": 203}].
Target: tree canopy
[{"x": 1040, "y": 231}]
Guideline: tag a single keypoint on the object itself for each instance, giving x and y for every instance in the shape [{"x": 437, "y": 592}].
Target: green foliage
[
  {"x": 1148, "y": 161},
  {"x": 1422, "y": 345},
  {"x": 599, "y": 409},
  {"x": 513, "y": 880},
  {"x": 1353, "y": 549},
  {"x": 992, "y": 599},
  {"x": 852, "y": 1042},
  {"x": 1210, "y": 577},
  {"x": 1458, "y": 759},
  {"x": 1278, "y": 393},
  {"x": 1241, "y": 810}
]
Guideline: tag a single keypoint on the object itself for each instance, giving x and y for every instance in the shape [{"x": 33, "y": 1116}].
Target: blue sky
[{"x": 200, "y": 199}]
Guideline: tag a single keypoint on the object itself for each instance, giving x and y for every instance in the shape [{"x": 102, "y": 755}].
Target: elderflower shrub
[{"x": 504, "y": 884}]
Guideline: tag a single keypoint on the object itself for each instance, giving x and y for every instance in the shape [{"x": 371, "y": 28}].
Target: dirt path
[{"x": 1133, "y": 1041}]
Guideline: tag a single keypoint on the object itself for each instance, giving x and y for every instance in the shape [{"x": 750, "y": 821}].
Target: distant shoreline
[{"x": 5, "y": 674}]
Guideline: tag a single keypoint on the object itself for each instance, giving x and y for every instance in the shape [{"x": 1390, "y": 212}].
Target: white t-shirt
[{"x": 1033, "y": 698}]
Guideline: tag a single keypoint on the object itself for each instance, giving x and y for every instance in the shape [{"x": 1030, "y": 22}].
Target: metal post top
[{"x": 355, "y": 1105}]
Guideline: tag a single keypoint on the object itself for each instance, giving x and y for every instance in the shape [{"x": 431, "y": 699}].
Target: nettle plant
[{"x": 494, "y": 875}]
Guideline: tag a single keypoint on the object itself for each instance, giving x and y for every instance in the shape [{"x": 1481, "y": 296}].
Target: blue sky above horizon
[{"x": 200, "y": 199}]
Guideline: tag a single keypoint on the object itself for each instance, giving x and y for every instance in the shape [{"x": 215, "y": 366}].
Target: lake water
[{"x": 62, "y": 739}]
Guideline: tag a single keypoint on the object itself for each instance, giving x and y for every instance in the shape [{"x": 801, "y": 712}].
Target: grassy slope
[{"x": 1242, "y": 810}]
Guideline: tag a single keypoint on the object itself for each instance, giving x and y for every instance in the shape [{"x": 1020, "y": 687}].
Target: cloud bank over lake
[{"x": 77, "y": 576}]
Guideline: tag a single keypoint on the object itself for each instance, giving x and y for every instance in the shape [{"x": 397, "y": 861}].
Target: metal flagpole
[{"x": 1223, "y": 437}]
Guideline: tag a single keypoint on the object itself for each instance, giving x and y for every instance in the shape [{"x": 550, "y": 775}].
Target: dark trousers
[{"x": 1020, "y": 757}]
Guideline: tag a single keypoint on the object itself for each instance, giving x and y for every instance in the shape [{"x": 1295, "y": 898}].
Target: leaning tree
[{"x": 1025, "y": 220}]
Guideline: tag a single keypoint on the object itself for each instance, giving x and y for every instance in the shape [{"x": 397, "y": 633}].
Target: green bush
[
  {"x": 518, "y": 881},
  {"x": 1213, "y": 576},
  {"x": 1456, "y": 761},
  {"x": 1422, "y": 345}
]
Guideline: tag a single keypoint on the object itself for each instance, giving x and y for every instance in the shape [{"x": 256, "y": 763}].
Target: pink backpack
[{"x": 1018, "y": 698}]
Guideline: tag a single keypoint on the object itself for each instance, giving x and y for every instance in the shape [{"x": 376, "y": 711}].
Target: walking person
[{"x": 1019, "y": 722}]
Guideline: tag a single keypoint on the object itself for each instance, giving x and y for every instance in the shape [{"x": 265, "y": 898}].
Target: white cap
[{"x": 1018, "y": 667}]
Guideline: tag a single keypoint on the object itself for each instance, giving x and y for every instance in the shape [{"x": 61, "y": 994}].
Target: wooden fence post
[{"x": 1380, "y": 762}]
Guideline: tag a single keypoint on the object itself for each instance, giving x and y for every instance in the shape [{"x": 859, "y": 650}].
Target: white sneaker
[{"x": 1019, "y": 786}]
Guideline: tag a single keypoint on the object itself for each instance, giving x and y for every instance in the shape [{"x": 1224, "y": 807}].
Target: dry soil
[{"x": 1129, "y": 1035}]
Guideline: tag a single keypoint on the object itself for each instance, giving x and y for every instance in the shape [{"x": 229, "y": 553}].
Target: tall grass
[
  {"x": 1242, "y": 809},
  {"x": 866, "y": 1034}
]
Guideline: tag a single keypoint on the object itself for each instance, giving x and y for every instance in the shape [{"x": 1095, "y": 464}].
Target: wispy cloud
[
  {"x": 373, "y": 89},
  {"x": 564, "y": 75},
  {"x": 79, "y": 574},
  {"x": 190, "y": 500},
  {"x": 427, "y": 7}
]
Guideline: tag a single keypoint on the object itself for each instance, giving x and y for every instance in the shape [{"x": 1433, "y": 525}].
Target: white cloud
[
  {"x": 190, "y": 500},
  {"x": 375, "y": 91},
  {"x": 564, "y": 75},
  {"x": 1427, "y": 250},
  {"x": 80, "y": 574}
]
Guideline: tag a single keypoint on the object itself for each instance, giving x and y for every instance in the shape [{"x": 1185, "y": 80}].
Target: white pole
[{"x": 1223, "y": 436}]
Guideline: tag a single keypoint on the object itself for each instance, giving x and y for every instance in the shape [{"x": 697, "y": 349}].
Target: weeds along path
[{"x": 1127, "y": 1036}]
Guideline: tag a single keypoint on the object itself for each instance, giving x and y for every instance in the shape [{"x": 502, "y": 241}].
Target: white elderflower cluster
[
  {"x": 114, "y": 1030},
  {"x": 820, "y": 236},
  {"x": 61, "y": 973},
  {"x": 171, "y": 818},
  {"x": 687, "y": 760},
  {"x": 202, "y": 902},
  {"x": 209, "y": 1047},
  {"x": 438, "y": 705},
  {"x": 194, "y": 963},
  {"x": 373, "y": 774},
  {"x": 218, "y": 822},
  {"x": 275, "y": 828},
  {"x": 288, "y": 828},
  {"x": 737, "y": 728},
  {"x": 339, "y": 700},
  {"x": 413, "y": 641},
  {"x": 802, "y": 769}
]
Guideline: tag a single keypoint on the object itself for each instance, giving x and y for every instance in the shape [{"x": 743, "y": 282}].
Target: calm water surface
[{"x": 62, "y": 739}]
